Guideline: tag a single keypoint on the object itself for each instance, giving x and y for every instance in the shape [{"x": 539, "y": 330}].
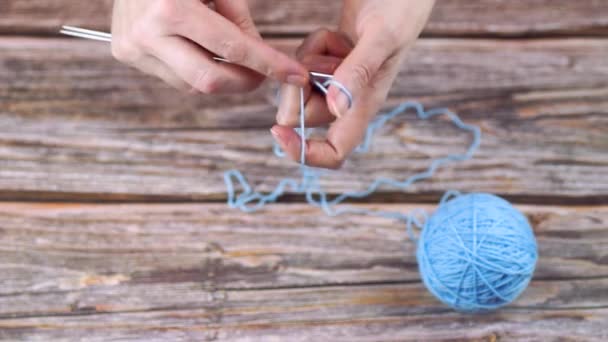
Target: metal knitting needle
[
  {"x": 84, "y": 33},
  {"x": 107, "y": 37},
  {"x": 100, "y": 36}
]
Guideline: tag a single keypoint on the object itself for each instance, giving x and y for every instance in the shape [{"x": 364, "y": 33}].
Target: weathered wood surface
[
  {"x": 61, "y": 247},
  {"x": 186, "y": 272},
  {"x": 201, "y": 325},
  {"x": 369, "y": 313},
  {"x": 450, "y": 17},
  {"x": 77, "y": 125},
  {"x": 63, "y": 83}
]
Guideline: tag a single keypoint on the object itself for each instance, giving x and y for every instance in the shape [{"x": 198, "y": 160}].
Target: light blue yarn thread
[
  {"x": 251, "y": 201},
  {"x": 458, "y": 273},
  {"x": 302, "y": 128}
]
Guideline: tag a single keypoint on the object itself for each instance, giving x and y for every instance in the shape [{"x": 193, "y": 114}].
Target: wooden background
[{"x": 112, "y": 222}]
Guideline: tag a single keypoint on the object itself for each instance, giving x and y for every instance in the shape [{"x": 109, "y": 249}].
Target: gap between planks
[{"x": 378, "y": 198}]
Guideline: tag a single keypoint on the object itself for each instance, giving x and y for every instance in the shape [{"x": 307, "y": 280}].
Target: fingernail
[
  {"x": 297, "y": 80},
  {"x": 275, "y": 133},
  {"x": 284, "y": 139},
  {"x": 339, "y": 104},
  {"x": 278, "y": 137}
]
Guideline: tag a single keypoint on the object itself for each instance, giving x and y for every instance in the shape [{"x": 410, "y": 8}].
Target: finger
[
  {"x": 289, "y": 141},
  {"x": 289, "y": 103},
  {"x": 311, "y": 53},
  {"x": 342, "y": 138},
  {"x": 324, "y": 64},
  {"x": 197, "y": 68},
  {"x": 316, "y": 113},
  {"x": 153, "y": 66},
  {"x": 212, "y": 31},
  {"x": 358, "y": 72},
  {"x": 346, "y": 132},
  {"x": 325, "y": 42},
  {"x": 237, "y": 11}
]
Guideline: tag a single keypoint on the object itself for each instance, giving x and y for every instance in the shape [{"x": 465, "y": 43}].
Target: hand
[
  {"x": 176, "y": 40},
  {"x": 382, "y": 32}
]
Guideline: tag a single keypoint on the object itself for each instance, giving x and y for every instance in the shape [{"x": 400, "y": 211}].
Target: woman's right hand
[{"x": 176, "y": 40}]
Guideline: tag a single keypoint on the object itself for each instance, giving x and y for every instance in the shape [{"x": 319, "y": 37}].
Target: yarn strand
[
  {"x": 249, "y": 200},
  {"x": 475, "y": 253}
]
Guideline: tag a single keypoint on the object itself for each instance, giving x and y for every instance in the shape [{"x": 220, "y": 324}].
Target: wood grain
[
  {"x": 539, "y": 158},
  {"x": 68, "y": 247},
  {"x": 201, "y": 325},
  {"x": 60, "y": 83},
  {"x": 78, "y": 126},
  {"x": 450, "y": 17},
  {"x": 367, "y": 313},
  {"x": 191, "y": 325},
  {"x": 196, "y": 272}
]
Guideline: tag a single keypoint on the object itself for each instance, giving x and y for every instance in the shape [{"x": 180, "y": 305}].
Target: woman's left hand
[{"x": 365, "y": 57}]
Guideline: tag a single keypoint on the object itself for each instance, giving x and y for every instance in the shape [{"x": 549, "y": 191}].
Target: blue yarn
[{"x": 475, "y": 253}]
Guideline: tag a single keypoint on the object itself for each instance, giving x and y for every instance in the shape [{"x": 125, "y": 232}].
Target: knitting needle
[
  {"x": 84, "y": 33},
  {"x": 100, "y": 36},
  {"x": 107, "y": 37}
]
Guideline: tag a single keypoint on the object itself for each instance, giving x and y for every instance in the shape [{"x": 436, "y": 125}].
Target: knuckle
[
  {"x": 167, "y": 12},
  {"x": 140, "y": 35},
  {"x": 362, "y": 75},
  {"x": 392, "y": 35},
  {"x": 124, "y": 51},
  {"x": 118, "y": 51},
  {"x": 206, "y": 82},
  {"x": 244, "y": 23},
  {"x": 234, "y": 51},
  {"x": 132, "y": 45}
]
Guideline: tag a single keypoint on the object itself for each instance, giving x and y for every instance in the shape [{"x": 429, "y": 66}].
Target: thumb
[{"x": 357, "y": 72}]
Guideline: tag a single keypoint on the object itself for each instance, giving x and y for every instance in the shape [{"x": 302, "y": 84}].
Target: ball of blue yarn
[{"x": 477, "y": 252}]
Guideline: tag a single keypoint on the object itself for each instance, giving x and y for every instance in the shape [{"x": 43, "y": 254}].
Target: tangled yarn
[{"x": 477, "y": 252}]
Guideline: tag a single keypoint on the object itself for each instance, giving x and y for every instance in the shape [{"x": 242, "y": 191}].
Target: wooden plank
[
  {"x": 567, "y": 167},
  {"x": 527, "y": 155},
  {"x": 53, "y": 248},
  {"x": 200, "y": 272},
  {"x": 194, "y": 325},
  {"x": 61, "y": 83},
  {"x": 76, "y": 125},
  {"x": 450, "y": 17},
  {"x": 373, "y": 313}
]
